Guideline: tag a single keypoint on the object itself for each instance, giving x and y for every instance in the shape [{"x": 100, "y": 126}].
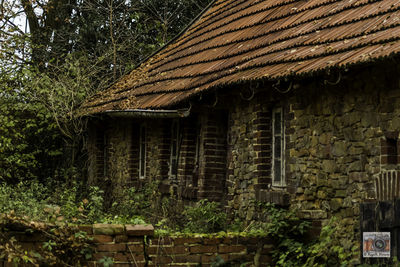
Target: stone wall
[
  {"x": 241, "y": 178},
  {"x": 339, "y": 138},
  {"x": 337, "y": 142},
  {"x": 136, "y": 245}
]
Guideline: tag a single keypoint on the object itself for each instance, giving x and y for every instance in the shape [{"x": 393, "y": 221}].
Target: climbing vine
[{"x": 59, "y": 245}]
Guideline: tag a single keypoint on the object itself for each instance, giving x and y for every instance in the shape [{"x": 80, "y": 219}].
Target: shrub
[
  {"x": 65, "y": 203},
  {"x": 27, "y": 199},
  {"x": 286, "y": 229},
  {"x": 65, "y": 246},
  {"x": 293, "y": 248},
  {"x": 330, "y": 248},
  {"x": 135, "y": 202},
  {"x": 205, "y": 217}
]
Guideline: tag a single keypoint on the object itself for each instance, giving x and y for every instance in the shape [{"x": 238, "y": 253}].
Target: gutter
[{"x": 148, "y": 113}]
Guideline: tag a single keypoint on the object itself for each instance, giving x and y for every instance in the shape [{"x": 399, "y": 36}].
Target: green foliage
[
  {"x": 71, "y": 203},
  {"x": 39, "y": 127},
  {"x": 28, "y": 199},
  {"x": 65, "y": 203},
  {"x": 205, "y": 217},
  {"x": 93, "y": 206},
  {"x": 135, "y": 202},
  {"x": 29, "y": 143},
  {"x": 329, "y": 249},
  {"x": 218, "y": 262},
  {"x": 88, "y": 209},
  {"x": 106, "y": 261},
  {"x": 35, "y": 201},
  {"x": 236, "y": 225},
  {"x": 293, "y": 247},
  {"x": 66, "y": 246},
  {"x": 286, "y": 229},
  {"x": 46, "y": 73}
]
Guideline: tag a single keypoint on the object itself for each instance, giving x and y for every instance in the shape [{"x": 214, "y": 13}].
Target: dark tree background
[{"x": 122, "y": 31}]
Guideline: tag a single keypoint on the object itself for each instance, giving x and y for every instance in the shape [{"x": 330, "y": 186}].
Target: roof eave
[{"x": 148, "y": 113}]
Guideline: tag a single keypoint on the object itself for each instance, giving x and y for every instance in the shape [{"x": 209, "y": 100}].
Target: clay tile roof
[{"x": 238, "y": 40}]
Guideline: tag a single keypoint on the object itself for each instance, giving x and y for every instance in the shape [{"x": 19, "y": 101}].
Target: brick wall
[
  {"x": 262, "y": 140},
  {"x": 213, "y": 166},
  {"x": 187, "y": 170},
  {"x": 136, "y": 245}
]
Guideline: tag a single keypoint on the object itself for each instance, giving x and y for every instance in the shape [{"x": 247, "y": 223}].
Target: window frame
[{"x": 282, "y": 180}]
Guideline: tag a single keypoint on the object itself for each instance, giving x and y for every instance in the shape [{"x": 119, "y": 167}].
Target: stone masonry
[{"x": 341, "y": 131}]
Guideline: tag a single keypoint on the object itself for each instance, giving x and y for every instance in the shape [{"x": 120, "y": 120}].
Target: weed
[{"x": 205, "y": 217}]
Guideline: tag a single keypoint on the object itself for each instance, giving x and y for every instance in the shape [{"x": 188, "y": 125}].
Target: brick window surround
[
  {"x": 188, "y": 171},
  {"x": 268, "y": 187},
  {"x": 390, "y": 149}
]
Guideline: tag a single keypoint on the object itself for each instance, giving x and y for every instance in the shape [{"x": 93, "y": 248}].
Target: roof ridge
[
  {"x": 99, "y": 94},
  {"x": 317, "y": 5},
  {"x": 212, "y": 14},
  {"x": 237, "y": 3},
  {"x": 193, "y": 21},
  {"x": 311, "y": 19},
  {"x": 267, "y": 8},
  {"x": 258, "y": 46}
]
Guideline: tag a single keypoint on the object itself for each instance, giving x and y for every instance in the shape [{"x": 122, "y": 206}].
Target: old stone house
[{"x": 287, "y": 101}]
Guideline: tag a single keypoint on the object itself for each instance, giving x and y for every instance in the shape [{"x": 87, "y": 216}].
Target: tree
[
  {"x": 72, "y": 49},
  {"x": 121, "y": 33}
]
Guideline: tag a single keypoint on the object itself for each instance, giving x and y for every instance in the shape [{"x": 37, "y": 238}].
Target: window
[
  {"x": 389, "y": 150},
  {"x": 278, "y": 145},
  {"x": 142, "y": 152},
  {"x": 173, "y": 163}
]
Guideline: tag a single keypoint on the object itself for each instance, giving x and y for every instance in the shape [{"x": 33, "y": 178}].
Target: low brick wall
[
  {"x": 136, "y": 245},
  {"x": 128, "y": 246}
]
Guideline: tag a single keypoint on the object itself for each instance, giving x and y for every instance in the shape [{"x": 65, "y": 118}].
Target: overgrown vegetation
[
  {"x": 293, "y": 244},
  {"x": 205, "y": 217},
  {"x": 74, "y": 203},
  {"x": 63, "y": 246},
  {"x": 68, "y": 205}
]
